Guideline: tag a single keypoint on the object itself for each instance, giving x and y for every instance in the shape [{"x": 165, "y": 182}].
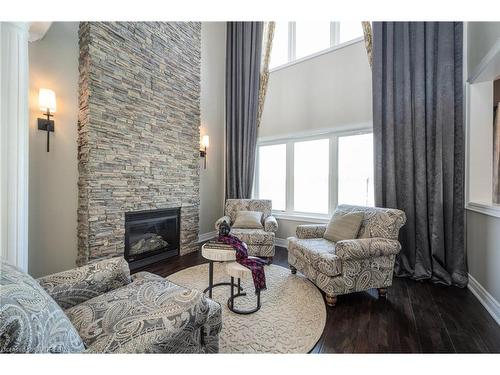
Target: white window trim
[
  {"x": 485, "y": 208},
  {"x": 292, "y": 44},
  {"x": 333, "y": 136}
]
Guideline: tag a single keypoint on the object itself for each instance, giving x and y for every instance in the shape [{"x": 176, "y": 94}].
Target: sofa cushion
[
  {"x": 343, "y": 226},
  {"x": 248, "y": 220},
  {"x": 254, "y": 236},
  {"x": 30, "y": 320},
  {"x": 149, "y": 315},
  {"x": 318, "y": 252}
]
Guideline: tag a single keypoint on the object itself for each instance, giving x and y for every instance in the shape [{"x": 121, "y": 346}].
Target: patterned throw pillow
[
  {"x": 30, "y": 320},
  {"x": 343, "y": 226},
  {"x": 248, "y": 220}
]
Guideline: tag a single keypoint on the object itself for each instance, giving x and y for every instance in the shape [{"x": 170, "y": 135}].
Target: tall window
[
  {"x": 311, "y": 176},
  {"x": 271, "y": 179},
  {"x": 296, "y": 40},
  {"x": 355, "y": 170}
]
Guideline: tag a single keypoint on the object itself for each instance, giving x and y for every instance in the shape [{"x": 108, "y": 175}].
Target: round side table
[
  {"x": 214, "y": 254},
  {"x": 236, "y": 270}
]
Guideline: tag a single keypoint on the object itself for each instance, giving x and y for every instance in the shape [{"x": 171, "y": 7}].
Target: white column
[{"x": 14, "y": 141}]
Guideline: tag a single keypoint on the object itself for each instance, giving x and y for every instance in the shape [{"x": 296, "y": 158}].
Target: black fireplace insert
[{"x": 151, "y": 236}]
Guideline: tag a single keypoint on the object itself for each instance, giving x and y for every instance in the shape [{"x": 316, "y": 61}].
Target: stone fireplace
[{"x": 138, "y": 131}]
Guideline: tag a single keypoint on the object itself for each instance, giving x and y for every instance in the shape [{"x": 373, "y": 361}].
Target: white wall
[
  {"x": 482, "y": 36},
  {"x": 53, "y": 175},
  {"x": 213, "y": 55},
  {"x": 483, "y": 230},
  {"x": 327, "y": 92}
]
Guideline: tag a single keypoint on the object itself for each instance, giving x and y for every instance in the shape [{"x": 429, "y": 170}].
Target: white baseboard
[
  {"x": 206, "y": 236},
  {"x": 486, "y": 299},
  {"x": 283, "y": 242}
]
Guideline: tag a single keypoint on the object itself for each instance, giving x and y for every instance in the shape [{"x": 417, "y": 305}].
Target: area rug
[{"x": 291, "y": 319}]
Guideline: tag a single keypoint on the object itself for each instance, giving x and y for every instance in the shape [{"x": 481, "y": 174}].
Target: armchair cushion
[
  {"x": 30, "y": 320},
  {"x": 270, "y": 224},
  {"x": 310, "y": 231},
  {"x": 318, "y": 252},
  {"x": 150, "y": 315},
  {"x": 254, "y": 236},
  {"x": 366, "y": 248},
  {"x": 220, "y": 220},
  {"x": 343, "y": 226},
  {"x": 70, "y": 288},
  {"x": 248, "y": 220}
]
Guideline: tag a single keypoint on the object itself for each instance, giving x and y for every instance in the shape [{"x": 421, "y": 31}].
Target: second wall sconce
[
  {"x": 47, "y": 104},
  {"x": 205, "y": 142}
]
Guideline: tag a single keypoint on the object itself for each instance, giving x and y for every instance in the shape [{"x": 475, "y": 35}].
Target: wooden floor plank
[
  {"x": 432, "y": 333},
  {"x": 468, "y": 323}
]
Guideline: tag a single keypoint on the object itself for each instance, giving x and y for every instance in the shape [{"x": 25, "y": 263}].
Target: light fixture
[
  {"x": 205, "y": 142},
  {"x": 47, "y": 104}
]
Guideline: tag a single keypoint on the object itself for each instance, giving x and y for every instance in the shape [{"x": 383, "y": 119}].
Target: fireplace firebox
[{"x": 151, "y": 236}]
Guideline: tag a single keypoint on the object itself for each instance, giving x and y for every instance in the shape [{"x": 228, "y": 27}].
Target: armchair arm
[
  {"x": 212, "y": 327},
  {"x": 310, "y": 231},
  {"x": 70, "y": 288},
  {"x": 366, "y": 248},
  {"x": 219, "y": 221},
  {"x": 270, "y": 224}
]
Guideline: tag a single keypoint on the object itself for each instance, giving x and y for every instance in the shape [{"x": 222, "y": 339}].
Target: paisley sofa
[
  {"x": 350, "y": 265},
  {"x": 260, "y": 242},
  {"x": 100, "y": 308}
]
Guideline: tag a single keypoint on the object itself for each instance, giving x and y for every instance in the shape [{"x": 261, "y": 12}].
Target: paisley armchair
[
  {"x": 260, "y": 242},
  {"x": 350, "y": 265}
]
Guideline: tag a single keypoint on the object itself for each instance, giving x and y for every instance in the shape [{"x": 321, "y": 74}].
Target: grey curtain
[
  {"x": 243, "y": 59},
  {"x": 419, "y": 143}
]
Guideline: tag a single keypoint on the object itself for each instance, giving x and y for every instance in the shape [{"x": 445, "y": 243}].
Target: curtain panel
[
  {"x": 243, "y": 62},
  {"x": 419, "y": 143}
]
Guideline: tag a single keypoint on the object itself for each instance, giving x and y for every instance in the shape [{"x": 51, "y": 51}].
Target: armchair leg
[
  {"x": 382, "y": 292},
  {"x": 293, "y": 269},
  {"x": 331, "y": 300}
]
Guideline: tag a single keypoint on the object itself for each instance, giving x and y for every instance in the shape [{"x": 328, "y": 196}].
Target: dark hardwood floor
[{"x": 416, "y": 317}]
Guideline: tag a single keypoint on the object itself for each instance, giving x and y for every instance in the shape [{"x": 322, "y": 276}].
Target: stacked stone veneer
[{"x": 138, "y": 132}]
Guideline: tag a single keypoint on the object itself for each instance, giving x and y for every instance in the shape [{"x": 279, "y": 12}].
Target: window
[
  {"x": 296, "y": 40},
  {"x": 311, "y": 175},
  {"x": 349, "y": 31},
  {"x": 355, "y": 170},
  {"x": 279, "y": 51},
  {"x": 311, "y": 37},
  {"x": 272, "y": 174}
]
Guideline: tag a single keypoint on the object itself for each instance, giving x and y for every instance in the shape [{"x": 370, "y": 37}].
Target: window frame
[
  {"x": 333, "y": 136},
  {"x": 292, "y": 43}
]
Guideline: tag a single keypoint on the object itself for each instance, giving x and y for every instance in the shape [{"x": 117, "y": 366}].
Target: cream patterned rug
[{"x": 291, "y": 319}]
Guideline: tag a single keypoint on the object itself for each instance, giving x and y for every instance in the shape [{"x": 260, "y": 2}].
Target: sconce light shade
[
  {"x": 47, "y": 100},
  {"x": 205, "y": 141}
]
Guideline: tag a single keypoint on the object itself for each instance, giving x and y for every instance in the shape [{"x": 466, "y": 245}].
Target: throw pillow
[
  {"x": 343, "y": 227},
  {"x": 248, "y": 220}
]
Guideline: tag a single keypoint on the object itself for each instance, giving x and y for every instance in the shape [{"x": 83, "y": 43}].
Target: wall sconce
[
  {"x": 47, "y": 104},
  {"x": 205, "y": 142}
]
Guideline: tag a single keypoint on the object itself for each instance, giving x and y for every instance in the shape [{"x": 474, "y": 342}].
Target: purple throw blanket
[{"x": 255, "y": 265}]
